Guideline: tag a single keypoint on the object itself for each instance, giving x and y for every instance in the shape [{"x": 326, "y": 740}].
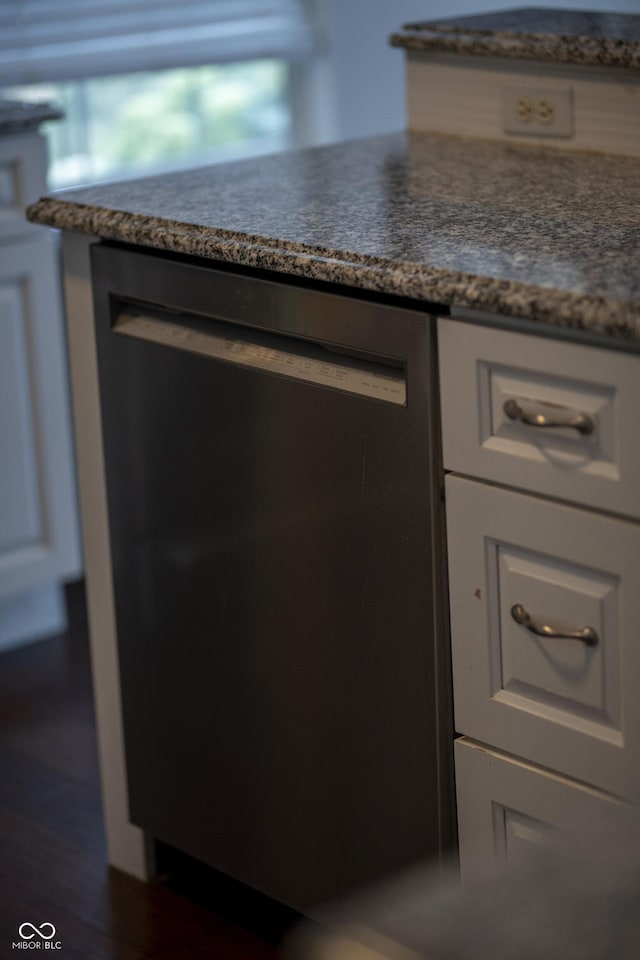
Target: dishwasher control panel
[{"x": 301, "y": 360}]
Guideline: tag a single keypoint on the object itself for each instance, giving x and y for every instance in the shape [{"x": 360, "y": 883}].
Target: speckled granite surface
[
  {"x": 16, "y": 117},
  {"x": 553, "y": 35},
  {"x": 540, "y": 234}
]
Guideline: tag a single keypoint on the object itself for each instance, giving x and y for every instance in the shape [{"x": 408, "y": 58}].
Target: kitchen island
[{"x": 521, "y": 265}]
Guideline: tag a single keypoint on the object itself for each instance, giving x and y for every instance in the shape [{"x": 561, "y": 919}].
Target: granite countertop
[
  {"x": 541, "y": 234},
  {"x": 533, "y": 33},
  {"x": 16, "y": 117}
]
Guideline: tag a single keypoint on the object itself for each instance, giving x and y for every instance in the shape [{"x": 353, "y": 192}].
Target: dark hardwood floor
[{"x": 53, "y": 864}]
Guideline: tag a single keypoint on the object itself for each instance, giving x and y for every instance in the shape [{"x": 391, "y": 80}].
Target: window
[
  {"x": 216, "y": 83},
  {"x": 148, "y": 122}
]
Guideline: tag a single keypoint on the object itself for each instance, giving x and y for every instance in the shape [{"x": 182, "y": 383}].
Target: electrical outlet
[{"x": 537, "y": 111}]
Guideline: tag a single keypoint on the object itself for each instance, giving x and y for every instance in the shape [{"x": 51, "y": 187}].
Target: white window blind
[{"x": 52, "y": 40}]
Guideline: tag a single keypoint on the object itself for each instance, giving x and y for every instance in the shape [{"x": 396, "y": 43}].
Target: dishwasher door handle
[{"x": 275, "y": 353}]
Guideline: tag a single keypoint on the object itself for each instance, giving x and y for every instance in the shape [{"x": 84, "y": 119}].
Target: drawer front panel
[
  {"x": 544, "y": 621},
  {"x": 507, "y": 807},
  {"x": 542, "y": 415}
]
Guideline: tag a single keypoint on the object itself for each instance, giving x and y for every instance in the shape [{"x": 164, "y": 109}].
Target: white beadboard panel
[
  {"x": 507, "y": 806},
  {"x": 40, "y": 536},
  {"x": 553, "y": 701},
  {"x": 463, "y": 95},
  {"x": 482, "y": 369}
]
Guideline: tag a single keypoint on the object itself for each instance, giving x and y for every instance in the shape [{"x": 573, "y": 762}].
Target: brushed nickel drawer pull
[
  {"x": 588, "y": 635},
  {"x": 581, "y": 422}
]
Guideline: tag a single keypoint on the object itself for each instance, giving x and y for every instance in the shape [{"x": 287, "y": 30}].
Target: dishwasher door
[{"x": 271, "y": 495}]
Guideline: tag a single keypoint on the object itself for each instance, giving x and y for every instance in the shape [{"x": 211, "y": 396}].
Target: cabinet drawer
[
  {"x": 506, "y": 806},
  {"x": 493, "y": 381},
  {"x": 517, "y": 564}
]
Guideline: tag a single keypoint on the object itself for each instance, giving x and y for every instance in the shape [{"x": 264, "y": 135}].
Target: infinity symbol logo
[{"x": 37, "y": 930}]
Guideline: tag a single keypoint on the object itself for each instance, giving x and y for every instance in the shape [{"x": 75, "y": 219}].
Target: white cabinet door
[{"x": 38, "y": 526}]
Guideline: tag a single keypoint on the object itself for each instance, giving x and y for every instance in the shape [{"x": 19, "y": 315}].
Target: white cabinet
[
  {"x": 38, "y": 525},
  {"x": 543, "y": 579}
]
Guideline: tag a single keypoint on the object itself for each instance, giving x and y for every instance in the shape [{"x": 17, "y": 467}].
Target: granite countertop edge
[
  {"x": 18, "y": 117},
  {"x": 545, "y": 48},
  {"x": 436, "y": 285}
]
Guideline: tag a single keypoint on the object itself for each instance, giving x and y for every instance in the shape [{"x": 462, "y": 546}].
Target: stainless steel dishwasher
[{"x": 274, "y": 501}]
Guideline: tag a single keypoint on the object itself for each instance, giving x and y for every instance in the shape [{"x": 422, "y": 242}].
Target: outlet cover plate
[{"x": 537, "y": 111}]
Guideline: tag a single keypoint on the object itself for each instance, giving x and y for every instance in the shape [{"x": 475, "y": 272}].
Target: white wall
[{"x": 367, "y": 75}]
